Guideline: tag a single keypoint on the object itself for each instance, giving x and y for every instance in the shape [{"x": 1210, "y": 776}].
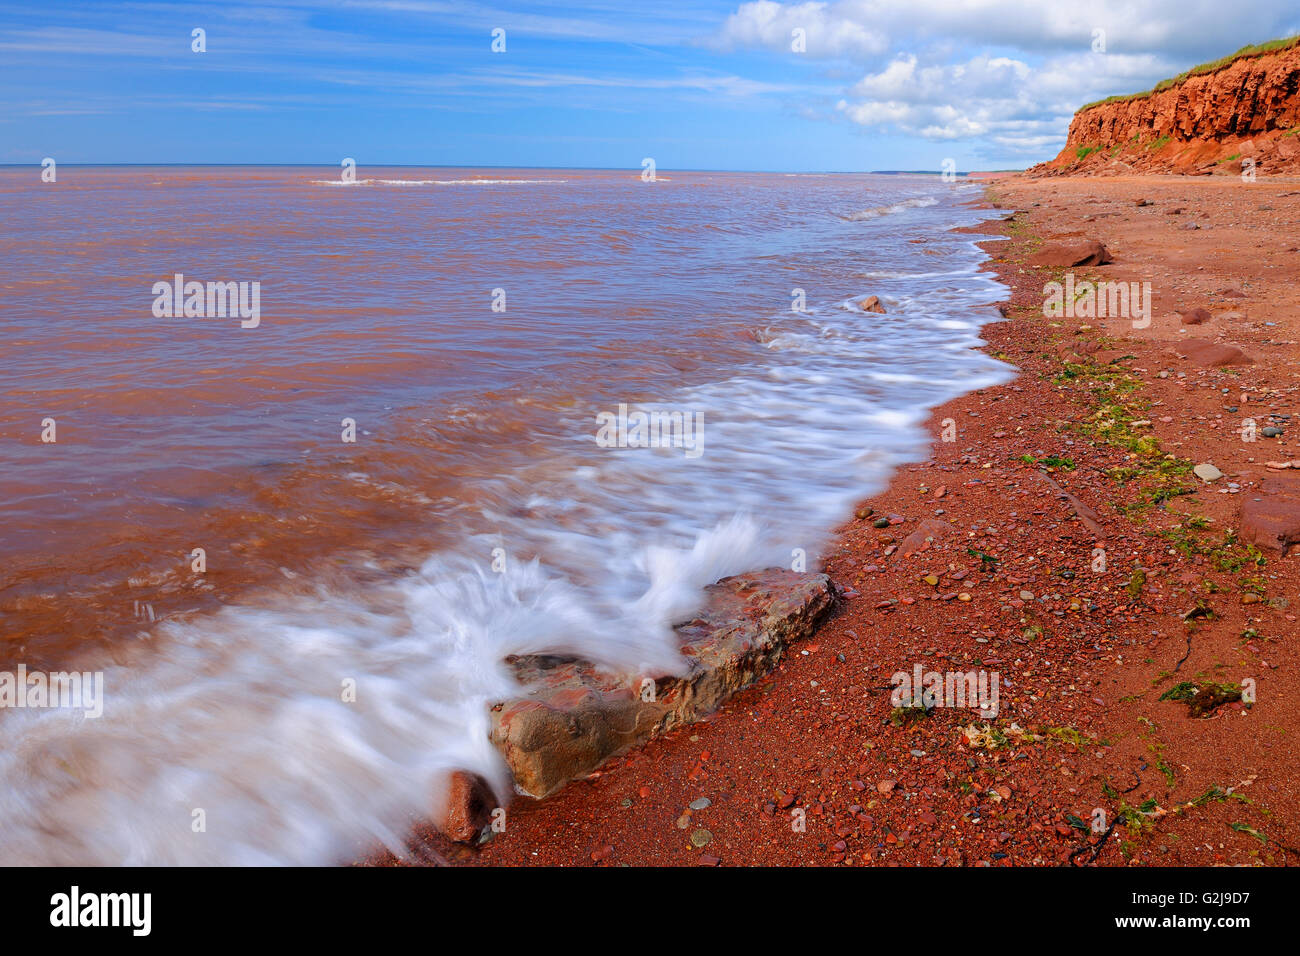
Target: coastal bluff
[{"x": 1238, "y": 113}]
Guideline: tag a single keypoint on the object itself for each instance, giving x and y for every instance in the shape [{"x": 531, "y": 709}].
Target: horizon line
[{"x": 631, "y": 169}]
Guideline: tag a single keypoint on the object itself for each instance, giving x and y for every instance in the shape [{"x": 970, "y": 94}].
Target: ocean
[{"x": 450, "y": 415}]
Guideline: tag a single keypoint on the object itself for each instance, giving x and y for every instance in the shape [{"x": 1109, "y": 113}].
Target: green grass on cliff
[{"x": 1255, "y": 49}]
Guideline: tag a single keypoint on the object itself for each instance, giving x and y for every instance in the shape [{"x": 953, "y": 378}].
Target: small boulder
[
  {"x": 1212, "y": 354},
  {"x": 1271, "y": 521},
  {"x": 465, "y": 806},
  {"x": 1086, "y": 252},
  {"x": 871, "y": 304}
]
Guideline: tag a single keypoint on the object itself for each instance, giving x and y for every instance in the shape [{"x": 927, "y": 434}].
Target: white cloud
[
  {"x": 1008, "y": 72},
  {"x": 1176, "y": 27},
  {"x": 1008, "y": 102},
  {"x": 769, "y": 24}
]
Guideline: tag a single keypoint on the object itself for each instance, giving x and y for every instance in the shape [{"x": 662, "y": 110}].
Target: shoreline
[{"x": 1085, "y": 656}]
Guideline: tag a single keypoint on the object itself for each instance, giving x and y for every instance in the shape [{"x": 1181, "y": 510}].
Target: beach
[{"x": 1136, "y": 606}]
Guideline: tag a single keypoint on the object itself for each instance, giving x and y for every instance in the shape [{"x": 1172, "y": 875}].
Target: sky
[{"x": 809, "y": 86}]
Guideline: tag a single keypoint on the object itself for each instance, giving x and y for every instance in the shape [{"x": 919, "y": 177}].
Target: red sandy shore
[{"x": 1085, "y": 655}]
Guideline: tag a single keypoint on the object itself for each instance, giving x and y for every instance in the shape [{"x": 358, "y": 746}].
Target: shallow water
[{"x": 475, "y": 515}]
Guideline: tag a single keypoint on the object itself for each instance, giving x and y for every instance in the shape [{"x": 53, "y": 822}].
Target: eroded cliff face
[{"x": 1210, "y": 124}]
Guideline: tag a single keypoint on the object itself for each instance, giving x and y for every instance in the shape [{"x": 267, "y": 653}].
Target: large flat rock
[{"x": 575, "y": 717}]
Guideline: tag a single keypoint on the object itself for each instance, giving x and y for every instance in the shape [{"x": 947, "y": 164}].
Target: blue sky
[{"x": 879, "y": 84}]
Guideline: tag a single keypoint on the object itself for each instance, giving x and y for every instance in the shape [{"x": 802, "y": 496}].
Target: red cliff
[{"x": 1245, "y": 108}]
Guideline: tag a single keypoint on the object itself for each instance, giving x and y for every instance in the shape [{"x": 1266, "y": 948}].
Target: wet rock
[
  {"x": 576, "y": 717},
  {"x": 466, "y": 808},
  {"x": 871, "y": 304}
]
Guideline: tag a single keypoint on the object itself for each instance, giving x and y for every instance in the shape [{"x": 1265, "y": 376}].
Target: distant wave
[
  {"x": 875, "y": 212},
  {"x": 434, "y": 182}
]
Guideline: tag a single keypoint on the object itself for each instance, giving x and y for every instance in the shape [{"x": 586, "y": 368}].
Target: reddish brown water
[{"x": 474, "y": 515}]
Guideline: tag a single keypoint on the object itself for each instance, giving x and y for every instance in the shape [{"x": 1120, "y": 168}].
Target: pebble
[
  {"x": 701, "y": 838},
  {"x": 703, "y": 803},
  {"x": 1207, "y": 472}
]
